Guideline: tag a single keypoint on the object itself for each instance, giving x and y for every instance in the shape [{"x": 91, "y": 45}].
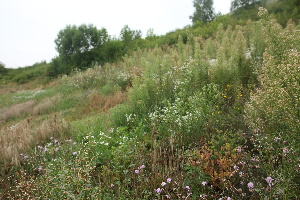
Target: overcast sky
[{"x": 29, "y": 27}]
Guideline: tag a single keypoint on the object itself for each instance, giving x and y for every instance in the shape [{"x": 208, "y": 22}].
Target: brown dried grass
[
  {"x": 16, "y": 110},
  {"x": 18, "y": 138},
  {"x": 101, "y": 102},
  {"x": 45, "y": 105}
]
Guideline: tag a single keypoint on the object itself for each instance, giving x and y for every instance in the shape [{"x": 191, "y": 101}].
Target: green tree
[
  {"x": 2, "y": 68},
  {"x": 80, "y": 46},
  {"x": 241, "y": 3},
  {"x": 204, "y": 11},
  {"x": 128, "y": 37}
]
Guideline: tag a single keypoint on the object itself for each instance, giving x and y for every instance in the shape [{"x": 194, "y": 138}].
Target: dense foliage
[{"x": 205, "y": 117}]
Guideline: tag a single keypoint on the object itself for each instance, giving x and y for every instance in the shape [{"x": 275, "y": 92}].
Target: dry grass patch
[
  {"x": 101, "y": 102},
  {"x": 16, "y": 110},
  {"x": 45, "y": 105},
  {"x": 18, "y": 138}
]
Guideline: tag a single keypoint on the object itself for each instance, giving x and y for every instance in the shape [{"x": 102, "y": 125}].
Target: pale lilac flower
[
  {"x": 74, "y": 143},
  {"x": 187, "y": 187},
  {"x": 277, "y": 138},
  {"x": 285, "y": 150},
  {"x": 163, "y": 184},
  {"x": 142, "y": 167},
  {"x": 239, "y": 149},
  {"x": 74, "y": 153},
  {"x": 51, "y": 138},
  {"x": 40, "y": 168},
  {"x": 40, "y": 147},
  {"x": 269, "y": 180},
  {"x": 56, "y": 149},
  {"x": 204, "y": 183},
  {"x": 250, "y": 185},
  {"x": 229, "y": 198},
  {"x": 136, "y": 171},
  {"x": 169, "y": 180},
  {"x": 235, "y": 167},
  {"x": 158, "y": 190},
  {"x": 25, "y": 157},
  {"x": 21, "y": 154}
]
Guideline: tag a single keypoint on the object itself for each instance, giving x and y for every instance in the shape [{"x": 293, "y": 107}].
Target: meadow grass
[{"x": 200, "y": 120}]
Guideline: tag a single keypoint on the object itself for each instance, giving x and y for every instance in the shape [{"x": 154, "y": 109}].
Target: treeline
[{"x": 85, "y": 46}]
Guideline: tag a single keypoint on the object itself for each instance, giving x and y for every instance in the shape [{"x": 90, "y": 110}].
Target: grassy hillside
[{"x": 205, "y": 118}]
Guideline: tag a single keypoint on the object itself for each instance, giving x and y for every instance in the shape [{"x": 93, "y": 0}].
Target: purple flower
[
  {"x": 40, "y": 168},
  {"x": 250, "y": 185},
  {"x": 136, "y": 171},
  {"x": 204, "y": 183},
  {"x": 25, "y": 157},
  {"x": 285, "y": 150},
  {"x": 269, "y": 180},
  {"x": 163, "y": 184},
  {"x": 169, "y": 180},
  {"x": 74, "y": 153},
  {"x": 40, "y": 147},
  {"x": 51, "y": 138},
  {"x": 142, "y": 167},
  {"x": 187, "y": 187},
  {"x": 74, "y": 143},
  {"x": 239, "y": 149},
  {"x": 158, "y": 190}
]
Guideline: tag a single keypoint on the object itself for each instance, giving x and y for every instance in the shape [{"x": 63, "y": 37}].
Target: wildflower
[
  {"x": 74, "y": 153},
  {"x": 40, "y": 168},
  {"x": 40, "y": 147},
  {"x": 187, "y": 187},
  {"x": 74, "y": 143},
  {"x": 158, "y": 190},
  {"x": 235, "y": 167},
  {"x": 239, "y": 149},
  {"x": 269, "y": 180},
  {"x": 250, "y": 185},
  {"x": 285, "y": 150},
  {"x": 136, "y": 171},
  {"x": 277, "y": 138},
  {"x": 169, "y": 180},
  {"x": 142, "y": 167},
  {"x": 25, "y": 157},
  {"x": 204, "y": 183},
  {"x": 51, "y": 138},
  {"x": 163, "y": 184},
  {"x": 229, "y": 198}
]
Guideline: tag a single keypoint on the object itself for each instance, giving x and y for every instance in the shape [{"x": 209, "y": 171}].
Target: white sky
[{"x": 29, "y": 27}]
